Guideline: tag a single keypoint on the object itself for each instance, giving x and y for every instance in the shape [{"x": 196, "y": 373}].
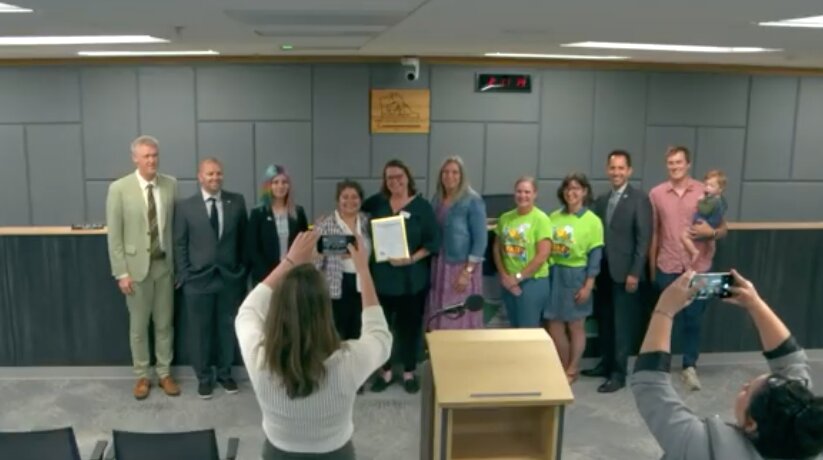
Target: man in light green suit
[{"x": 139, "y": 216}]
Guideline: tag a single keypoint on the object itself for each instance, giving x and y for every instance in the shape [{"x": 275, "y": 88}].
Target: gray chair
[
  {"x": 189, "y": 445},
  {"x": 56, "y": 444}
]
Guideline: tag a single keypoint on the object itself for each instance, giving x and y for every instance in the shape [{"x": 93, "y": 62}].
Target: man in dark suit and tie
[
  {"x": 627, "y": 221},
  {"x": 208, "y": 247}
]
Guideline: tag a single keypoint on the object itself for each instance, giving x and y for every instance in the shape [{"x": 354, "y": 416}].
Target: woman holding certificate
[
  {"x": 456, "y": 269},
  {"x": 404, "y": 234},
  {"x": 521, "y": 249}
]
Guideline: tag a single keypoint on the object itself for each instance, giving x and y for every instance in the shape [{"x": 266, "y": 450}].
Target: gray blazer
[
  {"x": 629, "y": 234},
  {"x": 683, "y": 435},
  {"x": 202, "y": 263}
]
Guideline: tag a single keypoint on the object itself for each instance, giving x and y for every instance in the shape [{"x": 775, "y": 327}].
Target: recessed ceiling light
[
  {"x": 148, "y": 53},
  {"x": 286, "y": 47},
  {"x": 811, "y": 21},
  {"x": 555, "y": 56},
  {"x": 7, "y": 8},
  {"x": 78, "y": 40},
  {"x": 672, "y": 48}
]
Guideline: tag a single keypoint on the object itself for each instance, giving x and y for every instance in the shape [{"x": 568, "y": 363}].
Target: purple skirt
[{"x": 443, "y": 294}]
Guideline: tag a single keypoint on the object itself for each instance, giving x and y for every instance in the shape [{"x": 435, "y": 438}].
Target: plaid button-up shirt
[{"x": 332, "y": 265}]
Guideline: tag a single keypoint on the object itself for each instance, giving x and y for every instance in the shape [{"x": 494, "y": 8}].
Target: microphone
[{"x": 474, "y": 302}]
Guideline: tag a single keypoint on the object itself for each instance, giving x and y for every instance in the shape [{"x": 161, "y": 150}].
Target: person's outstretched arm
[
  {"x": 784, "y": 354},
  {"x": 373, "y": 348},
  {"x": 678, "y": 431}
]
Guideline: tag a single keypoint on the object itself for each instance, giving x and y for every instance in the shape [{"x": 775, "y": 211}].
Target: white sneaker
[{"x": 689, "y": 377}]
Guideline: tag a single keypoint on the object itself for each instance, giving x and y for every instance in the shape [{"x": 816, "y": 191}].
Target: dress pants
[
  {"x": 348, "y": 309},
  {"x": 152, "y": 302},
  {"x": 212, "y": 326},
  {"x": 620, "y": 316},
  {"x": 404, "y": 314}
]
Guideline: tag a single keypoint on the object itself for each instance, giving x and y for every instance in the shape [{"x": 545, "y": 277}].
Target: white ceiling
[{"x": 465, "y": 28}]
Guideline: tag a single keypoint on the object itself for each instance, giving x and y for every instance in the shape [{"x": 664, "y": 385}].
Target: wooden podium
[{"x": 492, "y": 394}]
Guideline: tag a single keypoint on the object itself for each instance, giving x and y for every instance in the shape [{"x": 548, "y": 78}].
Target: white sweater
[{"x": 321, "y": 422}]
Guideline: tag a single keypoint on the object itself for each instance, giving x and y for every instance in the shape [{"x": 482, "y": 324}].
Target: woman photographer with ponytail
[
  {"x": 777, "y": 415},
  {"x": 304, "y": 377}
]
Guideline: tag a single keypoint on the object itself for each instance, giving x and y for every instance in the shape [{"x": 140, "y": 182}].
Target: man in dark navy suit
[
  {"x": 627, "y": 222},
  {"x": 209, "y": 228}
]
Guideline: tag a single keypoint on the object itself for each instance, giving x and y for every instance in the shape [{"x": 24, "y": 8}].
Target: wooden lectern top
[{"x": 497, "y": 367}]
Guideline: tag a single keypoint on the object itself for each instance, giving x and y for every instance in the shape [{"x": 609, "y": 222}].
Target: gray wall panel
[
  {"x": 110, "y": 120},
  {"x": 511, "y": 152},
  {"x": 393, "y": 76},
  {"x": 722, "y": 148},
  {"x": 808, "y": 143},
  {"x": 567, "y": 107},
  {"x": 411, "y": 149},
  {"x": 233, "y": 144},
  {"x": 188, "y": 187},
  {"x": 56, "y": 174},
  {"x": 287, "y": 144},
  {"x": 466, "y": 140},
  {"x": 453, "y": 97},
  {"x": 39, "y": 95},
  {"x": 96, "y": 191},
  {"x": 546, "y": 195},
  {"x": 254, "y": 92},
  {"x": 167, "y": 113},
  {"x": 658, "y": 139},
  {"x": 774, "y": 202},
  {"x": 619, "y": 117},
  {"x": 698, "y": 99},
  {"x": 14, "y": 187},
  {"x": 770, "y": 133},
  {"x": 341, "y": 121}
]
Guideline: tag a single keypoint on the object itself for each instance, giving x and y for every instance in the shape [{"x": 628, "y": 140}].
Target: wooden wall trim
[{"x": 441, "y": 60}]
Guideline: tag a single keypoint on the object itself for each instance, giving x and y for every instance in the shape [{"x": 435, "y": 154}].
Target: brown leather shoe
[
  {"x": 168, "y": 386},
  {"x": 141, "y": 389}
]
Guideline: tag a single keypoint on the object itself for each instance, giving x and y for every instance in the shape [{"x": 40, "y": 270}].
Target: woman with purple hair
[{"x": 273, "y": 224}]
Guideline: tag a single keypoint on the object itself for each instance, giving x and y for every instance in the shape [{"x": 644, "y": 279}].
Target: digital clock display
[{"x": 509, "y": 83}]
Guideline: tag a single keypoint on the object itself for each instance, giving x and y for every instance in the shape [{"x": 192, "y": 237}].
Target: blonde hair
[
  {"x": 716, "y": 174},
  {"x": 144, "y": 140},
  {"x": 462, "y": 188}
]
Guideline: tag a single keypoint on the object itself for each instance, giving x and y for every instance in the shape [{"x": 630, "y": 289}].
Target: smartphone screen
[
  {"x": 712, "y": 285},
  {"x": 334, "y": 244}
]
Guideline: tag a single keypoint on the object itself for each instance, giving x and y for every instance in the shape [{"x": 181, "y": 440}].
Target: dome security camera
[{"x": 411, "y": 67}]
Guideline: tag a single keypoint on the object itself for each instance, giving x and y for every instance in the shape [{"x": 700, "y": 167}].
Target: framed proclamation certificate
[{"x": 389, "y": 238}]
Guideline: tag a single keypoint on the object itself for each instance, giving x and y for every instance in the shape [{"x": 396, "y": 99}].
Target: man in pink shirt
[{"x": 674, "y": 203}]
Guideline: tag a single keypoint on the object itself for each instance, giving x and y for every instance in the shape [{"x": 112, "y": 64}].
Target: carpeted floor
[{"x": 386, "y": 425}]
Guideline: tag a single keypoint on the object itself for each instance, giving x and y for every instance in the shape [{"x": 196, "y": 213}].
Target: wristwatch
[
  {"x": 518, "y": 276},
  {"x": 469, "y": 269}
]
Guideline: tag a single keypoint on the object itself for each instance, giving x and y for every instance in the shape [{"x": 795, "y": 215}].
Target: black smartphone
[
  {"x": 335, "y": 244},
  {"x": 712, "y": 284}
]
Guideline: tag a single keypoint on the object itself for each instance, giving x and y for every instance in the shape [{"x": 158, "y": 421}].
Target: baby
[{"x": 710, "y": 209}]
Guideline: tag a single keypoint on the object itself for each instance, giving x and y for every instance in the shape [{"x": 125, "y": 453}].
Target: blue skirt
[{"x": 565, "y": 282}]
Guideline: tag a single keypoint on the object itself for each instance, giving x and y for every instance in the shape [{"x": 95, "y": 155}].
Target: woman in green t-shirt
[
  {"x": 577, "y": 246},
  {"x": 520, "y": 252}
]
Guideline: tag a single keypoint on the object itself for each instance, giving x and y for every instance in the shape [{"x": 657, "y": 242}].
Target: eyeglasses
[
  {"x": 777, "y": 381},
  {"x": 396, "y": 177}
]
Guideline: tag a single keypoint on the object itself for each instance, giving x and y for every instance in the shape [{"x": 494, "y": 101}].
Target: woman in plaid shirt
[{"x": 344, "y": 288}]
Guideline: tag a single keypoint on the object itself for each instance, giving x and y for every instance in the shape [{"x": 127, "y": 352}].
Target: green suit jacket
[{"x": 127, "y": 222}]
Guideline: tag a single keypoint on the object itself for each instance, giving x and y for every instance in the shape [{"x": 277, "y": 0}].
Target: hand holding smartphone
[
  {"x": 712, "y": 284},
  {"x": 335, "y": 244}
]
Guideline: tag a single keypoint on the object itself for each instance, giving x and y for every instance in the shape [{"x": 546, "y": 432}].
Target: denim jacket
[{"x": 464, "y": 231}]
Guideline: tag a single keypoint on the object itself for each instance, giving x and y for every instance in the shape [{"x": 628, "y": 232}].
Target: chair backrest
[
  {"x": 189, "y": 445},
  {"x": 56, "y": 444}
]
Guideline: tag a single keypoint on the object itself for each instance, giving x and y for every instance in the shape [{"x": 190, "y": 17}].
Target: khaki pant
[{"x": 152, "y": 301}]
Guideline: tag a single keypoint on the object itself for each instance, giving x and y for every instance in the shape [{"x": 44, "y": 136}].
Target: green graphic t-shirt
[
  {"x": 518, "y": 236},
  {"x": 573, "y": 236}
]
